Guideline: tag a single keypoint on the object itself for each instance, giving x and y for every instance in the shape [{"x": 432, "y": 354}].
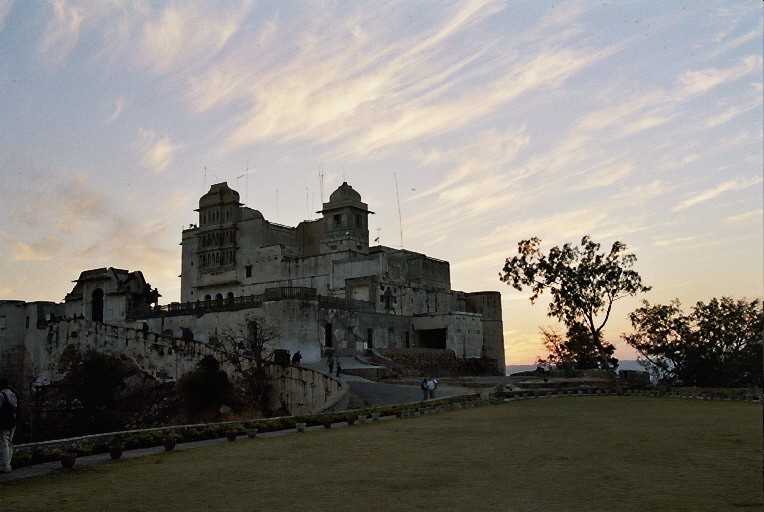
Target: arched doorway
[
  {"x": 328, "y": 337},
  {"x": 96, "y": 305}
]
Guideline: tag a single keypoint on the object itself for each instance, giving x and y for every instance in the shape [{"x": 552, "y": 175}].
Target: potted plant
[
  {"x": 361, "y": 418},
  {"x": 300, "y": 426},
  {"x": 68, "y": 459},
  {"x": 327, "y": 423},
  {"x": 252, "y": 433},
  {"x": 399, "y": 413},
  {"x": 170, "y": 441},
  {"x": 231, "y": 435},
  {"x": 116, "y": 447},
  {"x": 350, "y": 420},
  {"x": 375, "y": 416}
]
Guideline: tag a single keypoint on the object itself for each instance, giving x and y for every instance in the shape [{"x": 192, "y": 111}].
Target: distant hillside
[{"x": 629, "y": 364}]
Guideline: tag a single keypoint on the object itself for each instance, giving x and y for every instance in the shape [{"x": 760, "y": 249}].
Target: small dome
[
  {"x": 220, "y": 193},
  {"x": 344, "y": 193}
]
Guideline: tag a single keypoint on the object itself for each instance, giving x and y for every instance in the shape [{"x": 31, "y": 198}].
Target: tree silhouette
[{"x": 584, "y": 284}]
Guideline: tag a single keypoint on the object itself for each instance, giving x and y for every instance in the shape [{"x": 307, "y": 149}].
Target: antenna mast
[{"x": 398, "y": 197}]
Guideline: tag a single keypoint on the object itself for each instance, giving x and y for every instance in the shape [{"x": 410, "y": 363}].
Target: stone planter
[
  {"x": 300, "y": 427},
  {"x": 375, "y": 416},
  {"x": 252, "y": 433},
  {"x": 116, "y": 451},
  {"x": 231, "y": 435},
  {"x": 68, "y": 460},
  {"x": 361, "y": 418}
]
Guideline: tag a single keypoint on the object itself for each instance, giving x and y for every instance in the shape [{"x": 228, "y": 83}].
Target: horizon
[{"x": 467, "y": 127}]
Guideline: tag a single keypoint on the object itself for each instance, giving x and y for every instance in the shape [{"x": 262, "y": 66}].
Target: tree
[
  {"x": 207, "y": 387},
  {"x": 575, "y": 350},
  {"x": 583, "y": 281},
  {"x": 247, "y": 349},
  {"x": 716, "y": 344}
]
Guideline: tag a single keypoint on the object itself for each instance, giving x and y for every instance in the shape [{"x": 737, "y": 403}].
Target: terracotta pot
[
  {"x": 350, "y": 420},
  {"x": 68, "y": 459},
  {"x": 328, "y": 424},
  {"x": 116, "y": 451},
  {"x": 399, "y": 413},
  {"x": 252, "y": 433},
  {"x": 300, "y": 427},
  {"x": 231, "y": 435},
  {"x": 169, "y": 444}
]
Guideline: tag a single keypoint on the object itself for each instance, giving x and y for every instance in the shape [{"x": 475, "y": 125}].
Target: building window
[
  {"x": 3, "y": 322},
  {"x": 26, "y": 323},
  {"x": 248, "y": 271},
  {"x": 337, "y": 221}
]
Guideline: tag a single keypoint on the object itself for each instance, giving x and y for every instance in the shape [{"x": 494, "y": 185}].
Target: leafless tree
[{"x": 247, "y": 349}]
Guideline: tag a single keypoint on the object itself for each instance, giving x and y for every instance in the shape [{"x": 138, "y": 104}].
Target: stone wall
[
  {"x": 423, "y": 362},
  {"x": 167, "y": 357}
]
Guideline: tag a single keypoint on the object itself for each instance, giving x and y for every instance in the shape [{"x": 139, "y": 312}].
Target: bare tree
[{"x": 247, "y": 349}]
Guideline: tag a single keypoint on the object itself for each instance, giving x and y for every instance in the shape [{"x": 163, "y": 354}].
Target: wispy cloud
[
  {"x": 721, "y": 188},
  {"x": 156, "y": 153},
  {"x": 119, "y": 106},
  {"x": 187, "y": 35},
  {"x": 62, "y": 31},
  {"x": 5, "y": 8},
  {"x": 24, "y": 252},
  {"x": 744, "y": 218},
  {"x": 703, "y": 80}
]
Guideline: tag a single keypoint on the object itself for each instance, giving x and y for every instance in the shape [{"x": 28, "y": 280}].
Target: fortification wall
[{"x": 167, "y": 357}]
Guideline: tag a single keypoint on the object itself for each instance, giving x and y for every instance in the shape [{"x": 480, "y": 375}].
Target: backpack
[
  {"x": 424, "y": 385},
  {"x": 7, "y": 413}
]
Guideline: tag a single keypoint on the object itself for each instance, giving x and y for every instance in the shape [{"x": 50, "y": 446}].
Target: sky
[{"x": 466, "y": 126}]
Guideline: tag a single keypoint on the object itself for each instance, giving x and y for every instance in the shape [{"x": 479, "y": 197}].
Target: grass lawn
[{"x": 568, "y": 454}]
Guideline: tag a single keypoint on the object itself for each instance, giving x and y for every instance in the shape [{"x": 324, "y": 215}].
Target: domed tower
[
  {"x": 346, "y": 222},
  {"x": 218, "y": 213}
]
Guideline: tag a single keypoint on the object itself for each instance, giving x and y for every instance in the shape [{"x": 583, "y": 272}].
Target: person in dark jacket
[{"x": 8, "y": 405}]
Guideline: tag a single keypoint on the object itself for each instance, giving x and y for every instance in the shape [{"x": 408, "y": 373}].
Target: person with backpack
[
  {"x": 425, "y": 390},
  {"x": 8, "y": 405}
]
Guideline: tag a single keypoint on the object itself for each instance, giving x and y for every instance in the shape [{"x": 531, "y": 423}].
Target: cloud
[
  {"x": 744, "y": 218},
  {"x": 119, "y": 106},
  {"x": 156, "y": 153},
  {"x": 5, "y": 8},
  {"x": 707, "y": 195},
  {"x": 702, "y": 81},
  {"x": 341, "y": 81},
  {"x": 62, "y": 31},
  {"x": 186, "y": 36},
  {"x": 732, "y": 112},
  {"x": 24, "y": 252}
]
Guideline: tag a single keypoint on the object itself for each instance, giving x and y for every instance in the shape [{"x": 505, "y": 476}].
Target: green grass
[{"x": 567, "y": 454}]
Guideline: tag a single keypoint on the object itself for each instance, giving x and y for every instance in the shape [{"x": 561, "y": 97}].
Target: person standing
[
  {"x": 431, "y": 385},
  {"x": 331, "y": 364},
  {"x": 8, "y": 405},
  {"x": 425, "y": 389},
  {"x": 296, "y": 358},
  {"x": 339, "y": 367}
]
